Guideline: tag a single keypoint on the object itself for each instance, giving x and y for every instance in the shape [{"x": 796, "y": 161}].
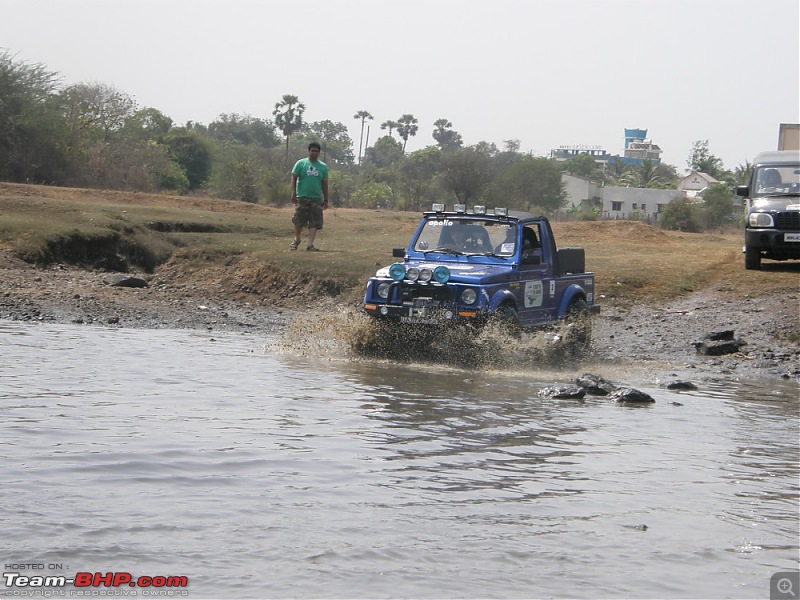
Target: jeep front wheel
[
  {"x": 578, "y": 334},
  {"x": 752, "y": 258},
  {"x": 506, "y": 317}
]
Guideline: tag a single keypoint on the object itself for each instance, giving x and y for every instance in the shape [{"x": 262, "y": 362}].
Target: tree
[
  {"x": 445, "y": 137},
  {"x": 406, "y": 127},
  {"x": 645, "y": 175},
  {"x": 385, "y": 152},
  {"x": 742, "y": 173},
  {"x": 582, "y": 165},
  {"x": 418, "y": 173},
  {"x": 530, "y": 183},
  {"x": 147, "y": 124},
  {"x": 337, "y": 147},
  {"x": 466, "y": 172},
  {"x": 700, "y": 159},
  {"x": 679, "y": 215},
  {"x": 96, "y": 111},
  {"x": 718, "y": 208},
  {"x": 32, "y": 128},
  {"x": 363, "y": 115},
  {"x": 390, "y": 125},
  {"x": 244, "y": 129},
  {"x": 193, "y": 153},
  {"x": 288, "y": 115}
]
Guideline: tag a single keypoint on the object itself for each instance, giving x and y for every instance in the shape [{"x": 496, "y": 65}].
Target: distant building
[
  {"x": 695, "y": 183},
  {"x": 612, "y": 202},
  {"x": 638, "y": 148},
  {"x": 563, "y": 153}
]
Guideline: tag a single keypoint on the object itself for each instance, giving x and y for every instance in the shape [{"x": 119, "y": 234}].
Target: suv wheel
[{"x": 752, "y": 258}]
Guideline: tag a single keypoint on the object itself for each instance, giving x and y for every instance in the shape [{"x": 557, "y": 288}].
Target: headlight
[
  {"x": 425, "y": 274},
  {"x": 441, "y": 274},
  {"x": 412, "y": 274},
  {"x": 468, "y": 296},
  {"x": 397, "y": 271},
  {"x": 383, "y": 290},
  {"x": 760, "y": 219}
]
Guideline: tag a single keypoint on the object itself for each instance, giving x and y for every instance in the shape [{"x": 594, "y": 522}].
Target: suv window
[{"x": 777, "y": 180}]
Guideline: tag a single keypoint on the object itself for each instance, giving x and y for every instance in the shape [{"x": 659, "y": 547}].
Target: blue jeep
[{"x": 467, "y": 266}]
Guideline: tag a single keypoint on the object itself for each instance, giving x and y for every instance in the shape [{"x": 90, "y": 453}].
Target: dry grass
[{"x": 632, "y": 261}]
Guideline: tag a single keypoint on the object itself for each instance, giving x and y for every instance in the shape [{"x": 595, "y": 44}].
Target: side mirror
[
  {"x": 398, "y": 252},
  {"x": 742, "y": 190}
]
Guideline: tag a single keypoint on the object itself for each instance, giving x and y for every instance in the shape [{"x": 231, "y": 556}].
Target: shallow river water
[{"x": 255, "y": 473}]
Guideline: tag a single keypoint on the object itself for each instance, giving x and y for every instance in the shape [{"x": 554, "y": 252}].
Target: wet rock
[
  {"x": 719, "y": 343},
  {"x": 629, "y": 394},
  {"x": 119, "y": 280},
  {"x": 680, "y": 385},
  {"x": 112, "y": 319},
  {"x": 595, "y": 385},
  {"x": 567, "y": 392}
]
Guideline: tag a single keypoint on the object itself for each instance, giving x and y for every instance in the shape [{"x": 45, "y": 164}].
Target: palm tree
[
  {"x": 445, "y": 136},
  {"x": 288, "y": 115},
  {"x": 390, "y": 125},
  {"x": 406, "y": 127},
  {"x": 644, "y": 176},
  {"x": 363, "y": 115},
  {"x": 741, "y": 174}
]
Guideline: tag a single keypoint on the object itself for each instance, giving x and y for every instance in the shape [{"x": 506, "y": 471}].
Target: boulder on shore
[{"x": 719, "y": 343}]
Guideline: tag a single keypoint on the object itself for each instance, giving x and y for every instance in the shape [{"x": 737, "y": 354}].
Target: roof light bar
[
  {"x": 438, "y": 207},
  {"x": 478, "y": 210},
  {"x": 501, "y": 212},
  {"x": 460, "y": 208}
]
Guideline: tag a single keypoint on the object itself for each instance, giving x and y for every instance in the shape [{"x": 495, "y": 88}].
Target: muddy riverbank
[{"x": 661, "y": 335}]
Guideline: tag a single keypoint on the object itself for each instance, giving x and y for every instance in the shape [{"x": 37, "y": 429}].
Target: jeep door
[{"x": 536, "y": 299}]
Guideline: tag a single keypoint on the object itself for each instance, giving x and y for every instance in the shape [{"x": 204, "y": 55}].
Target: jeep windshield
[
  {"x": 467, "y": 236},
  {"x": 777, "y": 180}
]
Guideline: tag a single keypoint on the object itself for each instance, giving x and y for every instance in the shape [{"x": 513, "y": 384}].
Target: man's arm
[
  {"x": 294, "y": 188},
  {"x": 325, "y": 193}
]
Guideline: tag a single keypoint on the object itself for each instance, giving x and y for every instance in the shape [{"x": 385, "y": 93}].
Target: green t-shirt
[{"x": 309, "y": 177}]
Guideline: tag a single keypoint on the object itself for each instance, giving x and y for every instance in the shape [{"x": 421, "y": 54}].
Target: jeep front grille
[{"x": 407, "y": 292}]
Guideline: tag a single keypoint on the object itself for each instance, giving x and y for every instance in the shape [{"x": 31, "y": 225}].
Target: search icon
[{"x": 784, "y": 586}]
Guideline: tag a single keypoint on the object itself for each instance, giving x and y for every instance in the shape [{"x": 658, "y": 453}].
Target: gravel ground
[{"x": 662, "y": 336}]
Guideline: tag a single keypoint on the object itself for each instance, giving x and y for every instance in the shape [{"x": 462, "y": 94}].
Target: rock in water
[
  {"x": 629, "y": 394},
  {"x": 569, "y": 392},
  {"x": 595, "y": 385}
]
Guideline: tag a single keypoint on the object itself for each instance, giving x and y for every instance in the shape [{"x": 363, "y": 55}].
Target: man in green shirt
[{"x": 309, "y": 195}]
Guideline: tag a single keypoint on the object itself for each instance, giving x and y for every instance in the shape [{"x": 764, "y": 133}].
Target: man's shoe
[
  {"x": 312, "y": 249},
  {"x": 295, "y": 244}
]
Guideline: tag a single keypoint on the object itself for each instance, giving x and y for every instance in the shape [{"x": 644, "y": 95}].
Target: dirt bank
[{"x": 244, "y": 296}]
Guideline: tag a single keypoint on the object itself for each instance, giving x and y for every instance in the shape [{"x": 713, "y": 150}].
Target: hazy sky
[{"x": 544, "y": 72}]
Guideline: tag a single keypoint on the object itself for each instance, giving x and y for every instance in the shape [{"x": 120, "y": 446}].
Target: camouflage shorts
[{"x": 308, "y": 213}]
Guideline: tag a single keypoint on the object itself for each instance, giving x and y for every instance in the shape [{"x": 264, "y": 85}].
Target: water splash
[{"x": 351, "y": 334}]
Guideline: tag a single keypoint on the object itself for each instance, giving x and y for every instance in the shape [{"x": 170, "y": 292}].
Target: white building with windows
[{"x": 617, "y": 202}]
